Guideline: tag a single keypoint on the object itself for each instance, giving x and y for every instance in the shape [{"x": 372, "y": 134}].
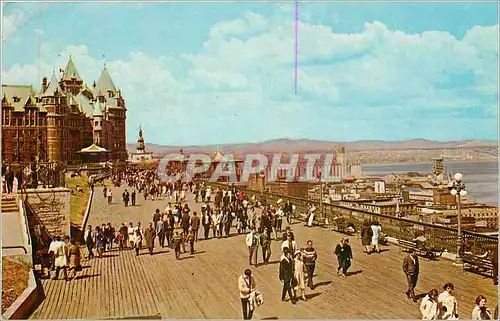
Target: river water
[{"x": 481, "y": 178}]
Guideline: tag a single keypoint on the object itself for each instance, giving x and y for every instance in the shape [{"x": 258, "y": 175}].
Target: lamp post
[
  {"x": 458, "y": 190},
  {"x": 320, "y": 194}
]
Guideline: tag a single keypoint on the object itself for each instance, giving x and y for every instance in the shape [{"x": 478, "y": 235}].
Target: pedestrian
[
  {"x": 133, "y": 197},
  {"x": 376, "y": 230},
  {"x": 251, "y": 242},
  {"x": 123, "y": 237},
  {"x": 195, "y": 225},
  {"x": 265, "y": 243},
  {"x": 74, "y": 258},
  {"x": 131, "y": 235},
  {"x": 177, "y": 240},
  {"x": 429, "y": 307},
  {"x": 126, "y": 197},
  {"x": 100, "y": 241},
  {"x": 160, "y": 232},
  {"x": 246, "y": 285},
  {"x": 286, "y": 275},
  {"x": 150, "y": 235},
  {"x": 156, "y": 216},
  {"x": 60, "y": 250},
  {"x": 411, "y": 269},
  {"x": 9, "y": 179},
  {"x": 89, "y": 242},
  {"x": 310, "y": 257},
  {"x": 191, "y": 238},
  {"x": 110, "y": 196},
  {"x": 137, "y": 240},
  {"x": 299, "y": 268},
  {"x": 481, "y": 311},
  {"x": 366, "y": 236},
  {"x": 105, "y": 191},
  {"x": 289, "y": 243},
  {"x": 338, "y": 252},
  {"x": 346, "y": 257},
  {"x": 206, "y": 221},
  {"x": 448, "y": 303}
]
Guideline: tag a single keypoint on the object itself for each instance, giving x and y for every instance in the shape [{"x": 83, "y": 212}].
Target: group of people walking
[{"x": 63, "y": 255}]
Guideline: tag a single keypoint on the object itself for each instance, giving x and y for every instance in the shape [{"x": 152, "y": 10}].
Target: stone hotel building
[{"x": 64, "y": 117}]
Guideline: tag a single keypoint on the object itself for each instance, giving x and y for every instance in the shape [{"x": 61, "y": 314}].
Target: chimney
[{"x": 44, "y": 84}]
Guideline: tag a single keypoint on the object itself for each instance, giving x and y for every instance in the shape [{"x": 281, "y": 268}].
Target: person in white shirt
[
  {"x": 61, "y": 261},
  {"x": 449, "y": 309},
  {"x": 251, "y": 242},
  {"x": 246, "y": 286},
  {"x": 480, "y": 311},
  {"x": 429, "y": 307}
]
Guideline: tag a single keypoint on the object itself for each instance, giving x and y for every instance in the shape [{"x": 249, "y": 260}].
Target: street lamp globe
[
  {"x": 463, "y": 192},
  {"x": 453, "y": 192},
  {"x": 458, "y": 177}
]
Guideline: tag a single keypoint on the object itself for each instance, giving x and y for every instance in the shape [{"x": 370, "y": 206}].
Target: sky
[{"x": 216, "y": 73}]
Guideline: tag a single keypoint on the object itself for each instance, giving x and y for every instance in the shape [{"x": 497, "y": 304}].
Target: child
[
  {"x": 190, "y": 238},
  {"x": 177, "y": 245}
]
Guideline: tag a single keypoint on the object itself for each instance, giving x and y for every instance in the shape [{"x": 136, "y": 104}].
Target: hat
[
  {"x": 279, "y": 201},
  {"x": 296, "y": 253}
]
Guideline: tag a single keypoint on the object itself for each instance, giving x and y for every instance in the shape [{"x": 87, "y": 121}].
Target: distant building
[
  {"x": 383, "y": 207},
  {"x": 141, "y": 157},
  {"x": 380, "y": 187},
  {"x": 62, "y": 119}
]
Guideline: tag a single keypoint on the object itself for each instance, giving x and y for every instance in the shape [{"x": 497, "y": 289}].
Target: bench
[
  {"x": 408, "y": 245},
  {"x": 420, "y": 250},
  {"x": 477, "y": 264}
]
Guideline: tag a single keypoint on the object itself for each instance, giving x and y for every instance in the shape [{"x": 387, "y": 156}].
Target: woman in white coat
[
  {"x": 449, "y": 309},
  {"x": 300, "y": 289},
  {"x": 429, "y": 307}
]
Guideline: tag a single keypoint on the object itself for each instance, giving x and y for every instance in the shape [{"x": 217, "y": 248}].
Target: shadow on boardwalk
[{"x": 204, "y": 285}]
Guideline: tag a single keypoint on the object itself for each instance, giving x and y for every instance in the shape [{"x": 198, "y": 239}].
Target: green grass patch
[{"x": 78, "y": 200}]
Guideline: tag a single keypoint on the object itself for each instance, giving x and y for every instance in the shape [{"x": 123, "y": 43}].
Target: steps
[{"x": 9, "y": 205}]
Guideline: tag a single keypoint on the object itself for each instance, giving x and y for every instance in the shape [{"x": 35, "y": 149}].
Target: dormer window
[
  {"x": 16, "y": 99},
  {"x": 110, "y": 94}
]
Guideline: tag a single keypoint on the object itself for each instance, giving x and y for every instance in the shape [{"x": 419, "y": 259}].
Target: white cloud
[
  {"x": 240, "y": 86},
  {"x": 10, "y": 23}
]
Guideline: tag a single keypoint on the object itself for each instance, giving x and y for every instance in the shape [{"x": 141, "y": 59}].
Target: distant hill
[{"x": 286, "y": 145}]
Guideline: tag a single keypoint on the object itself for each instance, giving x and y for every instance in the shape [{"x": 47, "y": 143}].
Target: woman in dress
[
  {"x": 366, "y": 236},
  {"x": 448, "y": 302},
  {"x": 480, "y": 311},
  {"x": 429, "y": 307},
  {"x": 376, "y": 230},
  {"x": 299, "y": 268},
  {"x": 74, "y": 258}
]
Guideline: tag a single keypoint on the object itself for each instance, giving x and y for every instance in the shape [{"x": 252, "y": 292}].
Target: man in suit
[
  {"x": 9, "y": 179},
  {"x": 411, "y": 268},
  {"x": 286, "y": 275},
  {"x": 195, "y": 225}
]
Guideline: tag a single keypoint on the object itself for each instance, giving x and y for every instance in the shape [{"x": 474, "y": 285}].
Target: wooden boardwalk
[{"x": 204, "y": 285}]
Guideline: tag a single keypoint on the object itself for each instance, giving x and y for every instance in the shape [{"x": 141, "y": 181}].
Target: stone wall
[{"x": 52, "y": 206}]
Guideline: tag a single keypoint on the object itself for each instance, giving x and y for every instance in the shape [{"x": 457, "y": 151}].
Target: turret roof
[{"x": 70, "y": 71}]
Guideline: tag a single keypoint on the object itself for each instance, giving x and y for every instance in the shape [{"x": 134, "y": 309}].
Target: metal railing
[{"x": 438, "y": 237}]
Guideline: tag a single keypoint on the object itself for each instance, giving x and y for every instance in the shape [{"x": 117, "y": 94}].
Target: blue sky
[{"x": 208, "y": 73}]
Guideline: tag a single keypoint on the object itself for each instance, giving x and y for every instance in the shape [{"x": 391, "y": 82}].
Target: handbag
[{"x": 295, "y": 282}]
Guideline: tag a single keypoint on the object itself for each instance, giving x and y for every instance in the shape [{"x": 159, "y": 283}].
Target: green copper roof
[
  {"x": 70, "y": 71},
  {"x": 105, "y": 83}
]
